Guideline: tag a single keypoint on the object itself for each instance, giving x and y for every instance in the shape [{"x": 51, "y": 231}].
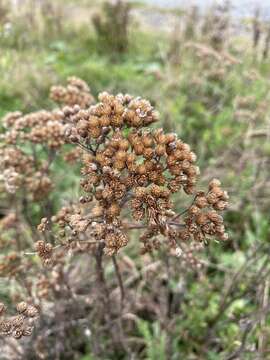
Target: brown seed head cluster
[
  {"x": 203, "y": 219},
  {"x": 19, "y": 172},
  {"x": 76, "y": 92},
  {"x": 42, "y": 131},
  {"x": 10, "y": 264},
  {"x": 128, "y": 166},
  {"x": 41, "y": 127},
  {"x": 20, "y": 324},
  {"x": 130, "y": 172},
  {"x": 45, "y": 252}
]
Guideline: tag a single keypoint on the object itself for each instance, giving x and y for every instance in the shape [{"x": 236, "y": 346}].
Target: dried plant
[
  {"x": 20, "y": 324},
  {"x": 256, "y": 28},
  {"x": 3, "y": 12},
  {"x": 129, "y": 167},
  {"x": 266, "y": 42},
  {"x": 130, "y": 173},
  {"x": 216, "y": 25},
  {"x": 192, "y": 20},
  {"x": 111, "y": 26}
]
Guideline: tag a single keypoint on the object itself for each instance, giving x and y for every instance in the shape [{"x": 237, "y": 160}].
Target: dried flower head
[
  {"x": 20, "y": 324},
  {"x": 129, "y": 166},
  {"x": 76, "y": 92}
]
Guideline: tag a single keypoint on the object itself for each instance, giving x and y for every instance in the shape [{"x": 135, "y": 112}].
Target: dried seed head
[{"x": 21, "y": 307}]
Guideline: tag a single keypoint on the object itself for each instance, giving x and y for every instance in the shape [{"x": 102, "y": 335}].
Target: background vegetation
[{"x": 208, "y": 75}]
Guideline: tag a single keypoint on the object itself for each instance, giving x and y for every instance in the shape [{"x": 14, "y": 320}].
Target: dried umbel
[
  {"x": 130, "y": 176},
  {"x": 42, "y": 132},
  {"x": 76, "y": 92},
  {"x": 41, "y": 127},
  {"x": 19, "y": 172},
  {"x": 22, "y": 170},
  {"x": 20, "y": 324},
  {"x": 131, "y": 171}
]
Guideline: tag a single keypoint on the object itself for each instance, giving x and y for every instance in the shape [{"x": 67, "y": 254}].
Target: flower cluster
[
  {"x": 203, "y": 218},
  {"x": 131, "y": 171},
  {"x": 44, "y": 131},
  {"x": 45, "y": 251},
  {"x": 131, "y": 175},
  {"x": 20, "y": 324},
  {"x": 76, "y": 92},
  {"x": 41, "y": 127},
  {"x": 19, "y": 171}
]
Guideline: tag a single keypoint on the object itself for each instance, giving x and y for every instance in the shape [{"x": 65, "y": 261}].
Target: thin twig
[
  {"x": 184, "y": 211},
  {"x": 119, "y": 278},
  {"x": 241, "y": 348}
]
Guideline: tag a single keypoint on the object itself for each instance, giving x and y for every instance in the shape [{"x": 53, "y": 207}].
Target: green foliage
[
  {"x": 202, "y": 108},
  {"x": 155, "y": 340}
]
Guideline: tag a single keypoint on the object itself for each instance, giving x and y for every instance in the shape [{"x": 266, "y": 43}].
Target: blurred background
[{"x": 205, "y": 66}]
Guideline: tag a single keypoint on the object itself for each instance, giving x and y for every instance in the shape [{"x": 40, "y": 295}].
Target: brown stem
[
  {"x": 115, "y": 333},
  {"x": 101, "y": 278},
  {"x": 119, "y": 278},
  {"x": 184, "y": 211}
]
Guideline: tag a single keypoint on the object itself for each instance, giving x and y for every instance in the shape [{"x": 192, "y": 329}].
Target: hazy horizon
[{"x": 240, "y": 7}]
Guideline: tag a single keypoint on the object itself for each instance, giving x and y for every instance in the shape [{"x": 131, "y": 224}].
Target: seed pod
[
  {"x": 131, "y": 158},
  {"x": 141, "y": 169},
  {"x": 201, "y": 202},
  {"x": 201, "y": 219},
  {"x": 147, "y": 140},
  {"x": 95, "y": 132},
  {"x": 121, "y": 155},
  {"x": 27, "y": 331},
  {"x": 170, "y": 138},
  {"x": 119, "y": 165},
  {"x": 156, "y": 191},
  {"x": 138, "y": 149},
  {"x": 48, "y": 247},
  {"x": 221, "y": 205},
  {"x": 18, "y": 333},
  {"x": 214, "y": 183},
  {"x": 124, "y": 144},
  {"x": 160, "y": 150},
  {"x": 148, "y": 153},
  {"x": 149, "y": 165},
  {"x": 94, "y": 121},
  {"x": 21, "y": 307},
  {"x": 104, "y": 121},
  {"x": 194, "y": 210},
  {"x": 31, "y": 311},
  {"x": 114, "y": 210}
]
